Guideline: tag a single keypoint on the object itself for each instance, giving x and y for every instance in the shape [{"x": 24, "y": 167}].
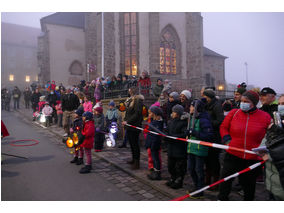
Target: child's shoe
[
  {"x": 75, "y": 160},
  {"x": 80, "y": 161},
  {"x": 86, "y": 169}
]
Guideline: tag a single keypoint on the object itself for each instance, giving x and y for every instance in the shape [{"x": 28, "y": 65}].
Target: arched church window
[
  {"x": 76, "y": 68},
  {"x": 130, "y": 43},
  {"x": 168, "y": 53}
]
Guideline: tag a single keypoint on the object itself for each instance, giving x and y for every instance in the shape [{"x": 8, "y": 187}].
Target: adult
[
  {"x": 70, "y": 102},
  {"x": 185, "y": 100},
  {"x": 133, "y": 116},
  {"x": 237, "y": 97},
  {"x": 27, "y": 97},
  {"x": 52, "y": 98},
  {"x": 274, "y": 165},
  {"x": 158, "y": 88},
  {"x": 144, "y": 83},
  {"x": 7, "y": 100},
  {"x": 243, "y": 128},
  {"x": 3, "y": 93},
  {"x": 125, "y": 82},
  {"x": 35, "y": 99},
  {"x": 268, "y": 100},
  {"x": 16, "y": 97},
  {"x": 215, "y": 110}
]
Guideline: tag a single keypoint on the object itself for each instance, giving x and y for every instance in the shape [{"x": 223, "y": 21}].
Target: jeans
[
  {"x": 155, "y": 153},
  {"x": 16, "y": 103},
  {"x": 125, "y": 139},
  {"x": 196, "y": 169}
]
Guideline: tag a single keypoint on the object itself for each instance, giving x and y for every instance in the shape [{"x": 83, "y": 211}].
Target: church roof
[
  {"x": 71, "y": 19},
  {"x": 208, "y": 52}
]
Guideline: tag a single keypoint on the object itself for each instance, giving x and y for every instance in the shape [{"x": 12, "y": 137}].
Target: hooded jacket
[{"x": 154, "y": 141}]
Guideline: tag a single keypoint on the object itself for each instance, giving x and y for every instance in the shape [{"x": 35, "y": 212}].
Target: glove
[{"x": 226, "y": 139}]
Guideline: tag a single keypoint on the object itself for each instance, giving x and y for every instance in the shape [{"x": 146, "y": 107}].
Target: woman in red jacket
[
  {"x": 89, "y": 133},
  {"x": 243, "y": 128}
]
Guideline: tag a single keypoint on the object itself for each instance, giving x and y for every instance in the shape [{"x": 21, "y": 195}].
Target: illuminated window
[
  {"x": 28, "y": 78},
  {"x": 130, "y": 39},
  {"x": 168, "y": 60},
  {"x": 11, "y": 77}
]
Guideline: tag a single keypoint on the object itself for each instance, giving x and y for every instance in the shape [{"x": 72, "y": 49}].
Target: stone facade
[{"x": 18, "y": 55}]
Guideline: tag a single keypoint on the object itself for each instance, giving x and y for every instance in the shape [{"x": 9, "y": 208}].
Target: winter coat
[
  {"x": 144, "y": 85},
  {"x": 112, "y": 114},
  {"x": 89, "y": 133},
  {"x": 99, "y": 122},
  {"x": 157, "y": 90},
  {"x": 52, "y": 98},
  {"x": 70, "y": 102},
  {"x": 272, "y": 177},
  {"x": 87, "y": 106},
  {"x": 125, "y": 85},
  {"x": 154, "y": 141},
  {"x": 176, "y": 128},
  {"x": 270, "y": 108},
  {"x": 27, "y": 95},
  {"x": 246, "y": 130},
  {"x": 275, "y": 145},
  {"x": 77, "y": 124},
  {"x": 216, "y": 114},
  {"x": 202, "y": 131},
  {"x": 91, "y": 93},
  {"x": 35, "y": 98},
  {"x": 58, "y": 108},
  {"x": 133, "y": 114},
  {"x": 16, "y": 93},
  {"x": 97, "y": 93}
]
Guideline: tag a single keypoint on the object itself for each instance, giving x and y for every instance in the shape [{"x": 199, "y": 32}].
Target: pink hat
[{"x": 157, "y": 103}]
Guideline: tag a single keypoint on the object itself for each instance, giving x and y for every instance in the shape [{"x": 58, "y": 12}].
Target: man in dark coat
[
  {"x": 267, "y": 98},
  {"x": 52, "y": 98},
  {"x": 215, "y": 111},
  {"x": 35, "y": 99},
  {"x": 16, "y": 97},
  {"x": 70, "y": 102},
  {"x": 27, "y": 97}
]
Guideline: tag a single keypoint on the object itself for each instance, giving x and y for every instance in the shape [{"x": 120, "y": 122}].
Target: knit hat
[
  {"x": 88, "y": 115},
  {"x": 267, "y": 90},
  {"x": 178, "y": 109},
  {"x": 241, "y": 90},
  {"x": 175, "y": 95},
  {"x": 157, "y": 103},
  {"x": 111, "y": 103},
  {"x": 156, "y": 110},
  {"x": 209, "y": 93},
  {"x": 253, "y": 96},
  {"x": 80, "y": 111},
  {"x": 186, "y": 93},
  {"x": 99, "y": 109}
]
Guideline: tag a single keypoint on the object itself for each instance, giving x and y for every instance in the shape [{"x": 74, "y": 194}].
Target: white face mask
[
  {"x": 281, "y": 109},
  {"x": 226, "y": 113},
  {"x": 245, "y": 106}
]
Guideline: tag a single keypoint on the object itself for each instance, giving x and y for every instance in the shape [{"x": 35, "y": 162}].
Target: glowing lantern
[
  {"x": 42, "y": 118},
  {"x": 69, "y": 142}
]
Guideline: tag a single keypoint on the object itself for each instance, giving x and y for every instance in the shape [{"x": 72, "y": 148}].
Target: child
[
  {"x": 177, "y": 155},
  {"x": 87, "y": 145},
  {"x": 87, "y": 105},
  {"x": 99, "y": 124},
  {"x": 77, "y": 126},
  {"x": 111, "y": 114},
  {"x": 59, "y": 112},
  {"x": 47, "y": 112},
  {"x": 201, "y": 129},
  {"x": 153, "y": 142}
]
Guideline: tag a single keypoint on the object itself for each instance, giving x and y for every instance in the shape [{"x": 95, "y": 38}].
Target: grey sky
[{"x": 255, "y": 38}]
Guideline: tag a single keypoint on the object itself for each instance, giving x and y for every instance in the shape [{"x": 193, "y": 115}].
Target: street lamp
[{"x": 246, "y": 64}]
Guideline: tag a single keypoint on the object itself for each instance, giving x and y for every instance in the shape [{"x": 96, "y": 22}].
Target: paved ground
[{"x": 111, "y": 164}]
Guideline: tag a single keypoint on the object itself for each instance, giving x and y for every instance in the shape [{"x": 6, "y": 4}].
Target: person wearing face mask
[{"x": 243, "y": 128}]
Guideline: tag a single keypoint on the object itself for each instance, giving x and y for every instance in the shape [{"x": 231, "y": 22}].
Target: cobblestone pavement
[{"x": 111, "y": 164}]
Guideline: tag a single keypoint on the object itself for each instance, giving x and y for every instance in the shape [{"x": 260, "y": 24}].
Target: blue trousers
[{"x": 196, "y": 169}]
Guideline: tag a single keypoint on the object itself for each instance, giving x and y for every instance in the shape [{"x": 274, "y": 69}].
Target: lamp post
[{"x": 246, "y": 64}]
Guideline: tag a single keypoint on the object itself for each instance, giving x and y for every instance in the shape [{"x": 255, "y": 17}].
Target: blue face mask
[
  {"x": 245, "y": 106},
  {"x": 281, "y": 109}
]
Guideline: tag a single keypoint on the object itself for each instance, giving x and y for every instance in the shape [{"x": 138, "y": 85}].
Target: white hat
[{"x": 186, "y": 93}]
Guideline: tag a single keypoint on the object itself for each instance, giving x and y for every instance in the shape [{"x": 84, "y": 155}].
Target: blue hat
[
  {"x": 178, "y": 109},
  {"x": 111, "y": 103},
  {"x": 88, "y": 115},
  {"x": 79, "y": 111},
  {"x": 156, "y": 110}
]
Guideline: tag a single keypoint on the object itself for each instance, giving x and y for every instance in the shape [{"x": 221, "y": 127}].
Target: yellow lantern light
[
  {"x": 75, "y": 139},
  {"x": 69, "y": 142}
]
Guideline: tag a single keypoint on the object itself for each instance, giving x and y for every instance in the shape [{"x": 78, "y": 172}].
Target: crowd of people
[{"x": 246, "y": 121}]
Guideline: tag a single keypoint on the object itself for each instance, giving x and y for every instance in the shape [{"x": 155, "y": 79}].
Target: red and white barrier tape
[
  {"x": 219, "y": 181},
  {"x": 204, "y": 143}
]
